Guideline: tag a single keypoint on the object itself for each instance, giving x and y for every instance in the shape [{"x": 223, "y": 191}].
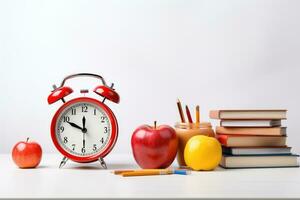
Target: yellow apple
[{"x": 202, "y": 153}]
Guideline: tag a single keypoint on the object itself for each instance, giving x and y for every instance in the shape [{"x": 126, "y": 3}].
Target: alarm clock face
[{"x": 84, "y": 129}]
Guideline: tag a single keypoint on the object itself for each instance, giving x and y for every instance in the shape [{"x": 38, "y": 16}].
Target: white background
[{"x": 219, "y": 54}]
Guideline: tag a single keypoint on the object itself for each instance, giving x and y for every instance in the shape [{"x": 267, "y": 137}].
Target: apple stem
[
  {"x": 154, "y": 124},
  {"x": 27, "y": 139}
]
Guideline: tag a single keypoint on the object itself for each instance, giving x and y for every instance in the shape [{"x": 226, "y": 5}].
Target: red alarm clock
[{"x": 84, "y": 129}]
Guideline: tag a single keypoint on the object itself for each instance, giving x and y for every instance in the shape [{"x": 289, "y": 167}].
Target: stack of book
[{"x": 253, "y": 139}]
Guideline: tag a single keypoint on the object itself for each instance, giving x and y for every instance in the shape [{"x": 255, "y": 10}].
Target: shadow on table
[
  {"x": 96, "y": 166},
  {"x": 121, "y": 166}
]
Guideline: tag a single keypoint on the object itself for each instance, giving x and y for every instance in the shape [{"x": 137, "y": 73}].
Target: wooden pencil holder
[{"x": 185, "y": 131}]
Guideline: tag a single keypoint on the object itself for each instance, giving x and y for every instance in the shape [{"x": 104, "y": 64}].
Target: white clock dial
[{"x": 83, "y": 129}]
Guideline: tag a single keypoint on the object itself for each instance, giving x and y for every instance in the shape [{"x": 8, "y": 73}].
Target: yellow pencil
[
  {"x": 120, "y": 172},
  {"x": 147, "y": 173},
  {"x": 197, "y": 114}
]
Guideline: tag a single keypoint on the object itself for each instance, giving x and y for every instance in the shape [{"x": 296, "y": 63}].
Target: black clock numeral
[
  {"x": 105, "y": 129},
  {"x": 73, "y": 147},
  {"x": 102, "y": 119},
  {"x": 65, "y": 140},
  {"x": 73, "y": 111},
  {"x": 94, "y": 147},
  {"x": 84, "y": 109},
  {"x": 95, "y": 111},
  {"x": 83, "y": 150},
  {"x": 66, "y": 118},
  {"x": 61, "y": 129},
  {"x": 102, "y": 140}
]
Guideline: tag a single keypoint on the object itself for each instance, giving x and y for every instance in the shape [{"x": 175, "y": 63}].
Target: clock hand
[
  {"x": 84, "y": 130},
  {"x": 75, "y": 125},
  {"x": 83, "y": 121},
  {"x": 83, "y": 140}
]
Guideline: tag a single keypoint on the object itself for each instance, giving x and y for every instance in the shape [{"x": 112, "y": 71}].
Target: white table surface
[{"x": 90, "y": 181}]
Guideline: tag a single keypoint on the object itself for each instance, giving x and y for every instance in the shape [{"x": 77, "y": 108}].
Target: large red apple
[
  {"x": 154, "y": 147},
  {"x": 27, "y": 154}
]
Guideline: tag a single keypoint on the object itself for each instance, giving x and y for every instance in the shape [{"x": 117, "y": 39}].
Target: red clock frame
[{"x": 111, "y": 143}]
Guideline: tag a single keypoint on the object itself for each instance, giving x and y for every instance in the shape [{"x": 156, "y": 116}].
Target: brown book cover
[
  {"x": 276, "y": 131},
  {"x": 248, "y": 114},
  {"x": 251, "y": 141}
]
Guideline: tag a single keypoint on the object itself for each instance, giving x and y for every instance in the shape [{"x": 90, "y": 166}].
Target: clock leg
[
  {"x": 63, "y": 162},
  {"x": 102, "y": 162}
]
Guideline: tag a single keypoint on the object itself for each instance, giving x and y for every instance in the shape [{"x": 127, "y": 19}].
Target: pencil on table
[
  {"x": 197, "y": 114},
  {"x": 147, "y": 173},
  {"x": 155, "y": 172},
  {"x": 117, "y": 172},
  {"x": 180, "y": 111},
  {"x": 120, "y": 172},
  {"x": 188, "y": 113}
]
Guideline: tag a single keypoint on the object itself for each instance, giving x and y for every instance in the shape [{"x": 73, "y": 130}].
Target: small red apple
[
  {"x": 27, "y": 154},
  {"x": 154, "y": 147}
]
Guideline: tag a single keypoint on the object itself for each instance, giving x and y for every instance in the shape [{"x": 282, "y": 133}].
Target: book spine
[{"x": 272, "y": 131}]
